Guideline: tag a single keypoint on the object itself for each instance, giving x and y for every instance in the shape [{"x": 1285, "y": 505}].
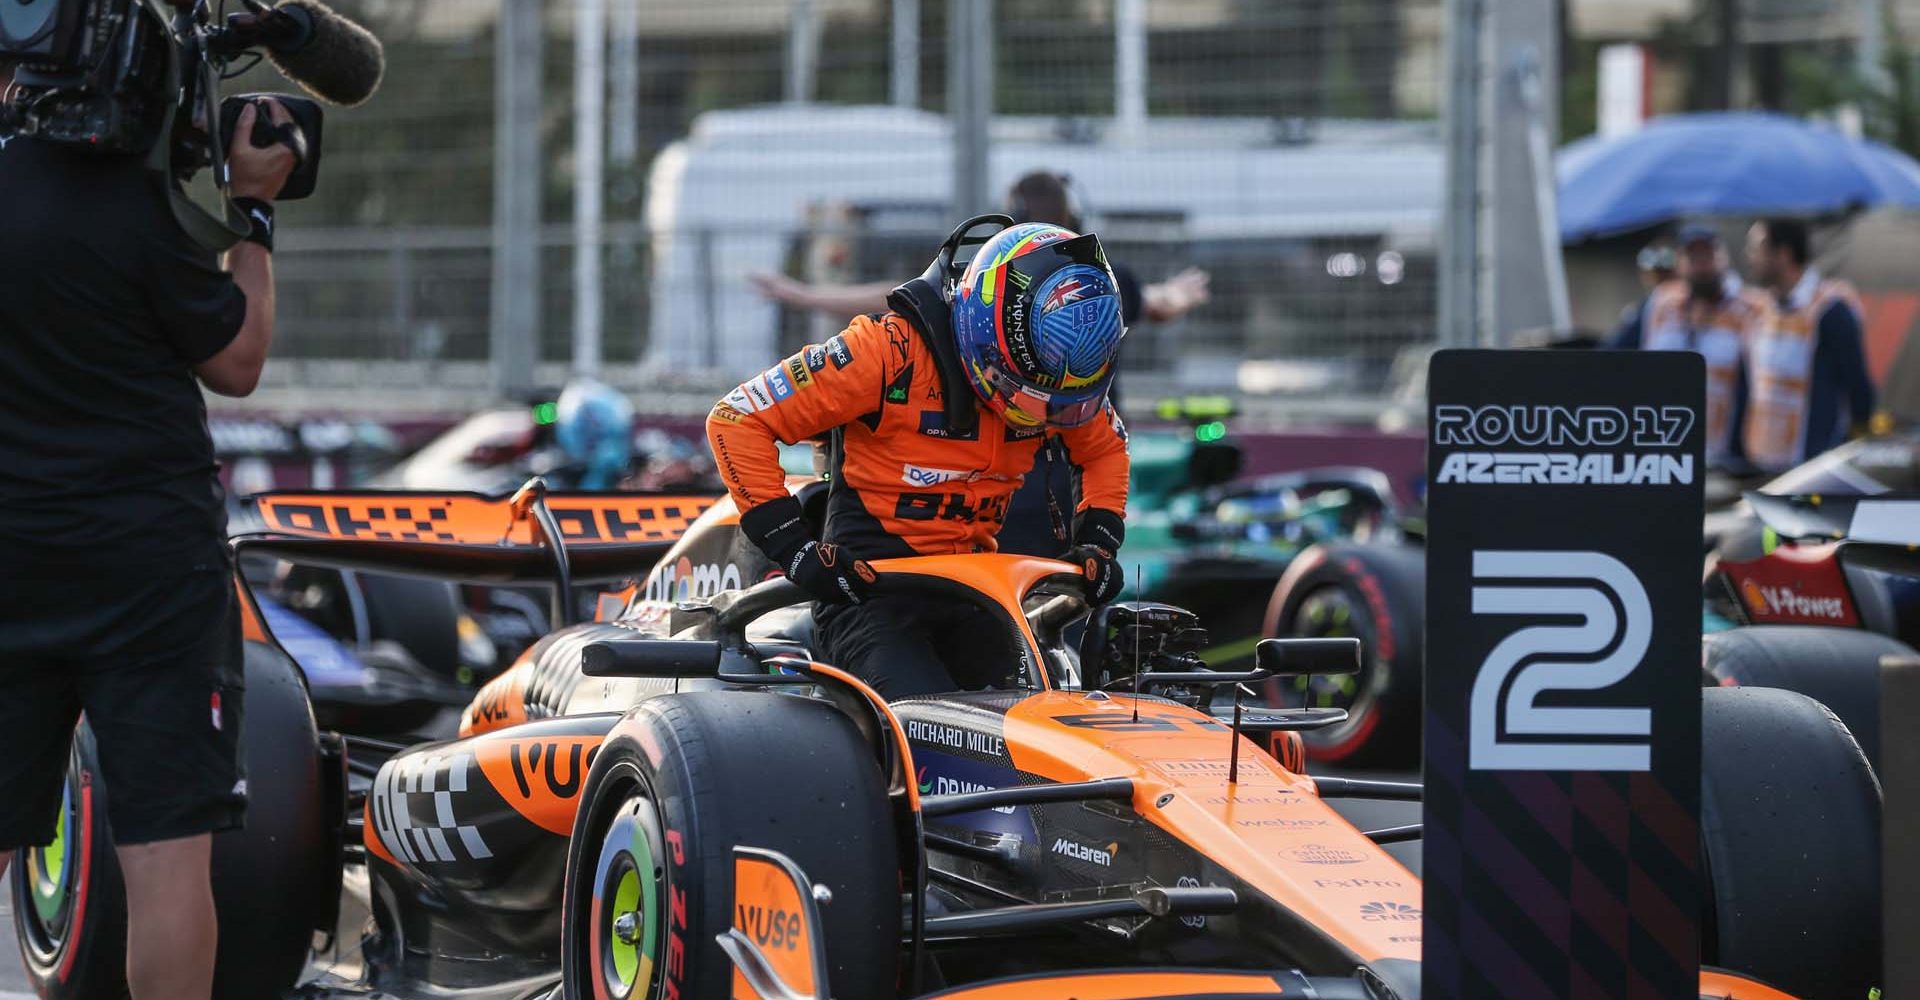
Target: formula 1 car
[{"x": 680, "y": 801}]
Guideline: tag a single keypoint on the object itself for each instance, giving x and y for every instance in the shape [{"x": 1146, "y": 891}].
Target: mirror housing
[
  {"x": 650, "y": 658},
  {"x": 1299, "y": 657}
]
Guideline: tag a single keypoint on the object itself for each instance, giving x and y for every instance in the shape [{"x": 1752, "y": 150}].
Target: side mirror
[
  {"x": 650, "y": 658},
  {"x": 1297, "y": 657}
]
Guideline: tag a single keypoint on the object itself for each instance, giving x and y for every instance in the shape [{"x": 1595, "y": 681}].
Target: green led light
[
  {"x": 1210, "y": 432},
  {"x": 545, "y": 413}
]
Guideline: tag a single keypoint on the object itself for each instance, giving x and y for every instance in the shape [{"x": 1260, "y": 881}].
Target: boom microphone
[{"x": 329, "y": 56}]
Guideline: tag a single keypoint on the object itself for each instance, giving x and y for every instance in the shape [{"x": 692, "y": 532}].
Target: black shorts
[{"x": 156, "y": 666}]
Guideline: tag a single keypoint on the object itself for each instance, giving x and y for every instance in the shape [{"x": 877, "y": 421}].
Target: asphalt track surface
[{"x": 1367, "y": 815}]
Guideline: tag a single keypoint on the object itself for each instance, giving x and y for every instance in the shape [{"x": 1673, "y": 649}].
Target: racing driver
[{"x": 933, "y": 412}]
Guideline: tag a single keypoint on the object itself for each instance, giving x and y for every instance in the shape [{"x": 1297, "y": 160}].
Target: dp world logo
[{"x": 1394, "y": 912}]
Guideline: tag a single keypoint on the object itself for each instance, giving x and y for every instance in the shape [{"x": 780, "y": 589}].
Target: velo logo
[{"x": 1510, "y": 730}]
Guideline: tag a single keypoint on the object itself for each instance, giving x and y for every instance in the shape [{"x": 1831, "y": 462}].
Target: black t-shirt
[{"x": 105, "y": 307}]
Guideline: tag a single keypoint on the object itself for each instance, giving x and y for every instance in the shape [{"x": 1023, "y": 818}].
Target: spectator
[
  {"x": 1706, "y": 310},
  {"x": 1041, "y": 196},
  {"x": 1809, "y": 371},
  {"x": 1656, "y": 261}
]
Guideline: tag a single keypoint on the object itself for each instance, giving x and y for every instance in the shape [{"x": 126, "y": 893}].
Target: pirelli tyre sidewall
[
  {"x": 1837, "y": 667},
  {"x": 677, "y": 785},
  {"x": 69, "y": 904},
  {"x": 1790, "y": 835},
  {"x": 1377, "y": 594}
]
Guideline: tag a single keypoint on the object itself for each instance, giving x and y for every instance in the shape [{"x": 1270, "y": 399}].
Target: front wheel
[
  {"x": 1374, "y": 593},
  {"x": 677, "y": 785}
]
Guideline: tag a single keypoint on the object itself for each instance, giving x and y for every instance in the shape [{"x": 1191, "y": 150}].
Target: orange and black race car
[{"x": 678, "y": 801}]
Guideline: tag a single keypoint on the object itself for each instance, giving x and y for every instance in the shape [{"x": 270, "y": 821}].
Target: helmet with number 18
[{"x": 1037, "y": 318}]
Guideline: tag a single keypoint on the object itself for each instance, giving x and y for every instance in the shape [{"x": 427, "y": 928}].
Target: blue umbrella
[{"x": 1724, "y": 163}]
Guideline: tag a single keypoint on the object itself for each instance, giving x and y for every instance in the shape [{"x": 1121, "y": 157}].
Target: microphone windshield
[{"x": 339, "y": 61}]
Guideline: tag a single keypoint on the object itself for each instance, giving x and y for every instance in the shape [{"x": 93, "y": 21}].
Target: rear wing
[{"x": 533, "y": 536}]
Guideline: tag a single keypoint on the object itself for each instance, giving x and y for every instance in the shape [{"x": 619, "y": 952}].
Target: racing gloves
[
  {"x": 1096, "y": 545},
  {"x": 821, "y": 569}
]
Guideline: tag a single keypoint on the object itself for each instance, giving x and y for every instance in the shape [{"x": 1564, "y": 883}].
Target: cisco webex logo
[{"x": 1601, "y": 626}]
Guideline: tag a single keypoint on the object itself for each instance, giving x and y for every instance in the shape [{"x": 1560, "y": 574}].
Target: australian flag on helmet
[{"x": 1037, "y": 317}]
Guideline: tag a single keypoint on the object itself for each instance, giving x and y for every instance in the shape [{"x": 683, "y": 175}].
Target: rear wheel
[
  {"x": 69, "y": 905},
  {"x": 1790, "y": 830},
  {"x": 273, "y": 881},
  {"x": 678, "y": 784},
  {"x": 1374, "y": 594},
  {"x": 1838, "y": 667}
]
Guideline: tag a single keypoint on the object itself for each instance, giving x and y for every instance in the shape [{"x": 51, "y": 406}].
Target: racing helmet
[
  {"x": 593, "y": 425},
  {"x": 1037, "y": 321}
]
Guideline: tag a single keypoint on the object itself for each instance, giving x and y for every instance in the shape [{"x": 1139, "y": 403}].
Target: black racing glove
[
  {"x": 820, "y": 569},
  {"x": 1096, "y": 545}
]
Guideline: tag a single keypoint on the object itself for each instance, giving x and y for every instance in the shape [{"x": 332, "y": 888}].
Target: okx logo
[{"x": 1600, "y": 623}]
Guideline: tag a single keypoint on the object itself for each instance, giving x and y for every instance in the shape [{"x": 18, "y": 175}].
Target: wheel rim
[
  {"x": 627, "y": 886},
  {"x": 47, "y": 876},
  {"x": 1330, "y": 613}
]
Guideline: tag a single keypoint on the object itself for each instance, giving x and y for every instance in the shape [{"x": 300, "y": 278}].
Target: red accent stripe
[{"x": 84, "y": 881}]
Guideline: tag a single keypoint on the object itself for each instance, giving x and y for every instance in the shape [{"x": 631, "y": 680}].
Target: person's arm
[
  {"x": 1099, "y": 449},
  {"x": 258, "y": 174},
  {"x": 839, "y": 301},
  {"x": 1629, "y": 333},
  {"x": 808, "y": 394},
  {"x": 1842, "y": 352},
  {"x": 235, "y": 371},
  {"x": 822, "y": 387},
  {"x": 1175, "y": 297}
]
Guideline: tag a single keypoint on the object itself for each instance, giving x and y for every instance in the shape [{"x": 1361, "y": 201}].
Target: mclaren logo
[
  {"x": 1526, "y": 712},
  {"x": 1102, "y": 856}
]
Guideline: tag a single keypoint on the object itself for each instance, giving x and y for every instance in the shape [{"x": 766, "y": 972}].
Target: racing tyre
[
  {"x": 69, "y": 905},
  {"x": 679, "y": 783},
  {"x": 271, "y": 880},
  {"x": 1790, "y": 834},
  {"x": 1377, "y": 594},
  {"x": 1838, "y": 667}
]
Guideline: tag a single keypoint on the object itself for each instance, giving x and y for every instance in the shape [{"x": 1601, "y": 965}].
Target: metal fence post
[
  {"x": 903, "y": 82},
  {"x": 803, "y": 50},
  {"x": 514, "y": 323},
  {"x": 589, "y": 128},
  {"x": 1459, "y": 266},
  {"x": 623, "y": 130},
  {"x": 970, "y": 101},
  {"x": 1130, "y": 70}
]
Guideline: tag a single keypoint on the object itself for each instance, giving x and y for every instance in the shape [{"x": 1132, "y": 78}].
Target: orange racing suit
[{"x": 906, "y": 483}]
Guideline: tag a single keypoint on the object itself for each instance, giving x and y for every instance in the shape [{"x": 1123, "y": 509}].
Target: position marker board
[{"x": 1563, "y": 675}]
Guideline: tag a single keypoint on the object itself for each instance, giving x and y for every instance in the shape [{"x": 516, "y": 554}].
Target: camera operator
[{"x": 116, "y": 591}]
